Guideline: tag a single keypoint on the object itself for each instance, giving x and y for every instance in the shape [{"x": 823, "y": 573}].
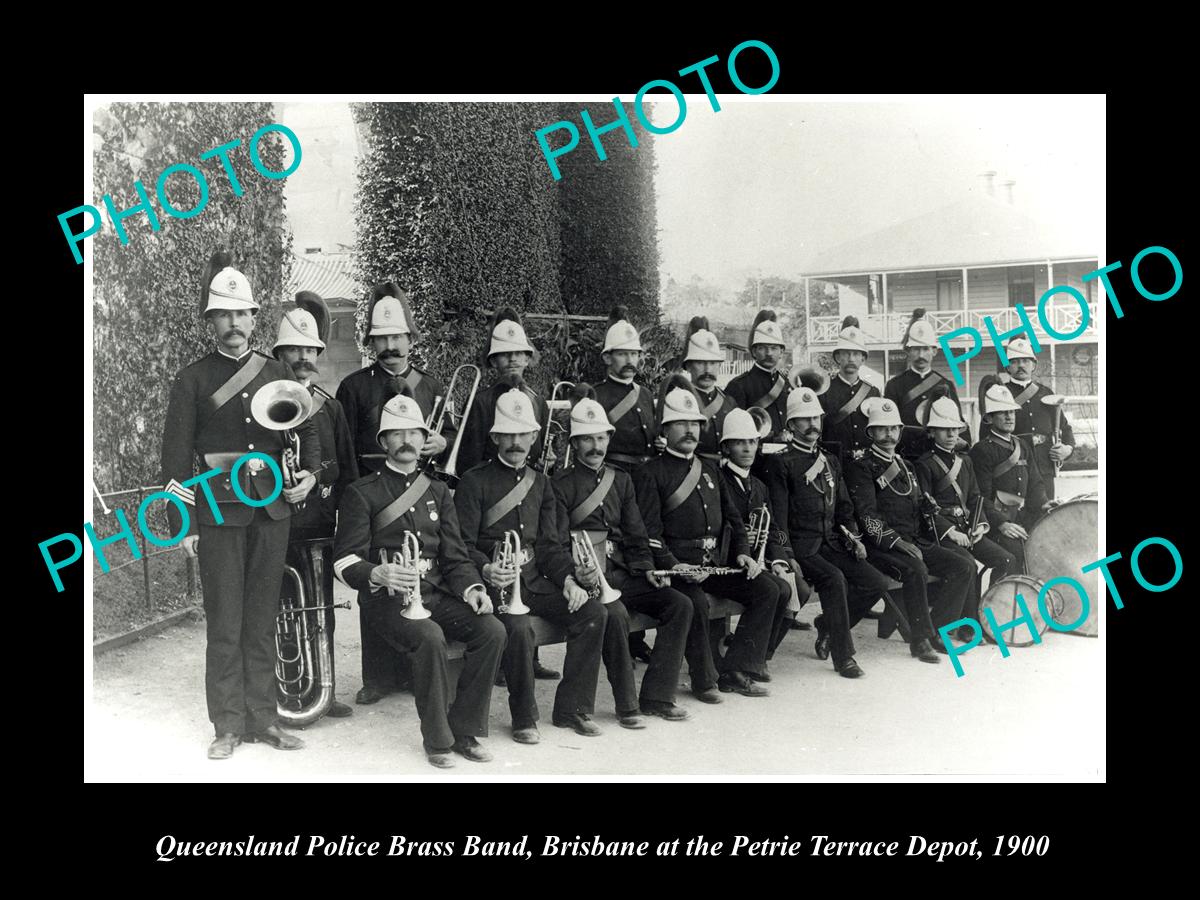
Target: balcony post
[{"x": 808, "y": 320}]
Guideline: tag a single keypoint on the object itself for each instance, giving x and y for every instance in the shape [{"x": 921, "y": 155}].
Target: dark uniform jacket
[
  {"x": 477, "y": 446},
  {"x": 617, "y": 514},
  {"x": 956, "y": 507},
  {"x": 849, "y": 433},
  {"x": 710, "y": 434},
  {"x": 915, "y": 440},
  {"x": 340, "y": 468},
  {"x": 753, "y": 385},
  {"x": 535, "y": 520},
  {"x": 1035, "y": 422},
  {"x": 808, "y": 513},
  {"x": 431, "y": 518},
  {"x": 191, "y": 430},
  {"x": 749, "y": 495},
  {"x": 678, "y": 536},
  {"x": 888, "y": 513},
  {"x": 362, "y": 395},
  {"x": 636, "y": 429},
  {"x": 1022, "y": 480}
]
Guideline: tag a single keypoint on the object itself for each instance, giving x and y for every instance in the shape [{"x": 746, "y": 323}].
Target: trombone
[
  {"x": 409, "y": 556},
  {"x": 437, "y": 419},
  {"x": 553, "y": 405},
  {"x": 757, "y": 530},
  {"x": 509, "y": 555},
  {"x": 281, "y": 406},
  {"x": 584, "y": 555}
]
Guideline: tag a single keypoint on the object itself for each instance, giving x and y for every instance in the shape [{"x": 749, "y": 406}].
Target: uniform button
[
  {"x": 245, "y": 395},
  {"x": 418, "y": 534},
  {"x": 251, "y": 446},
  {"x": 412, "y": 509},
  {"x": 247, "y": 419}
]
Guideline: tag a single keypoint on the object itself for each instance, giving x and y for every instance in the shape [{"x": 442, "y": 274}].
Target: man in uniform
[
  {"x": 1011, "y": 485},
  {"x": 845, "y": 423},
  {"x": 1035, "y": 419},
  {"x": 949, "y": 477},
  {"x": 597, "y": 503},
  {"x": 702, "y": 361},
  {"x": 242, "y": 548},
  {"x": 298, "y": 343},
  {"x": 504, "y": 494},
  {"x": 764, "y": 384},
  {"x": 739, "y": 446},
  {"x": 914, "y": 389},
  {"x": 812, "y": 509},
  {"x": 628, "y": 405},
  {"x": 391, "y": 335},
  {"x": 889, "y": 503},
  {"x": 684, "y": 504},
  {"x": 376, "y": 514}
]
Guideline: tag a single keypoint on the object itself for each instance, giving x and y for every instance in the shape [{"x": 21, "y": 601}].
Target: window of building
[{"x": 1020, "y": 286}]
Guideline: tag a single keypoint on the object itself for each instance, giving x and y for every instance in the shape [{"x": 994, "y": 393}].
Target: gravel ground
[{"x": 1038, "y": 712}]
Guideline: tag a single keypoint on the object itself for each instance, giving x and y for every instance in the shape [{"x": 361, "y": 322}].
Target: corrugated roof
[
  {"x": 330, "y": 277},
  {"x": 976, "y": 231}
]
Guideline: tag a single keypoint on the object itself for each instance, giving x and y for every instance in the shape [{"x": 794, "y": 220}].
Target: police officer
[
  {"x": 298, "y": 343},
  {"x": 702, "y": 361},
  {"x": 597, "y": 503},
  {"x": 391, "y": 336},
  {"x": 1011, "y": 485},
  {"x": 888, "y": 501},
  {"x": 505, "y": 494},
  {"x": 845, "y": 423},
  {"x": 810, "y": 505},
  {"x": 242, "y": 548},
  {"x": 1035, "y": 419},
  {"x": 375, "y": 515},
  {"x": 764, "y": 384},
  {"x": 914, "y": 389},
  {"x": 684, "y": 504},
  {"x": 949, "y": 477},
  {"x": 627, "y": 404}
]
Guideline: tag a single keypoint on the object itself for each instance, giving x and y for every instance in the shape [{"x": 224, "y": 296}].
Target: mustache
[
  {"x": 390, "y": 354},
  {"x": 406, "y": 448},
  {"x": 232, "y": 331},
  {"x": 305, "y": 366},
  {"x": 632, "y": 370}
]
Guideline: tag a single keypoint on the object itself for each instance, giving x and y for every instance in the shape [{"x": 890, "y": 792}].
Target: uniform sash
[
  {"x": 594, "y": 499},
  {"x": 889, "y": 474},
  {"x": 690, "y": 480},
  {"x": 922, "y": 386},
  {"x": 627, "y": 403},
  {"x": 851, "y": 405},
  {"x": 772, "y": 395},
  {"x": 318, "y": 402},
  {"x": 401, "y": 504},
  {"x": 413, "y": 378},
  {"x": 715, "y": 407},
  {"x": 950, "y": 477},
  {"x": 236, "y": 383},
  {"x": 1026, "y": 395},
  {"x": 1012, "y": 462},
  {"x": 509, "y": 501}
]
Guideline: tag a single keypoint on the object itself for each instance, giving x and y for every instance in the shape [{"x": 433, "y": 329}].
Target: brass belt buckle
[
  {"x": 1038, "y": 439},
  {"x": 255, "y": 465}
]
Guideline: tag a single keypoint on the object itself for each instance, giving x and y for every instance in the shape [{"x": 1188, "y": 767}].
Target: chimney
[
  {"x": 989, "y": 179},
  {"x": 1008, "y": 188}
]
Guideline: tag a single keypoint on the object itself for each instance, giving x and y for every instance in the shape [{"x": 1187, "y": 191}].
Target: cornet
[
  {"x": 508, "y": 555},
  {"x": 585, "y": 558},
  {"x": 281, "y": 406},
  {"x": 757, "y": 531},
  {"x": 410, "y": 558}
]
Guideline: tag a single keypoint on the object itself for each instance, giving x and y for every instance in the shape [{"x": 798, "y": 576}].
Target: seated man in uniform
[
  {"x": 505, "y": 494},
  {"x": 597, "y": 504},
  {"x": 889, "y": 503},
  {"x": 376, "y": 514},
  {"x": 684, "y": 504}
]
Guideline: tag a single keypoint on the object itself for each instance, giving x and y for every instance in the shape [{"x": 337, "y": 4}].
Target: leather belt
[
  {"x": 705, "y": 543},
  {"x": 627, "y": 459}
]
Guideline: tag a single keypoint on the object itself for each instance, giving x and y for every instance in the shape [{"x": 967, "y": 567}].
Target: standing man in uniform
[
  {"x": 627, "y": 404},
  {"x": 1035, "y": 420},
  {"x": 918, "y": 385},
  {"x": 845, "y": 423},
  {"x": 891, "y": 507},
  {"x": 298, "y": 343},
  {"x": 702, "y": 361},
  {"x": 810, "y": 504},
  {"x": 597, "y": 503},
  {"x": 764, "y": 384},
  {"x": 391, "y": 335},
  {"x": 505, "y": 494},
  {"x": 242, "y": 548},
  {"x": 685, "y": 504},
  {"x": 376, "y": 514}
]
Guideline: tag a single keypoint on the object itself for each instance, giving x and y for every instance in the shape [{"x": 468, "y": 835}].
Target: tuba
[
  {"x": 303, "y": 646},
  {"x": 814, "y": 378},
  {"x": 449, "y": 470},
  {"x": 585, "y": 558},
  {"x": 409, "y": 556},
  {"x": 757, "y": 530},
  {"x": 281, "y": 406},
  {"x": 508, "y": 555}
]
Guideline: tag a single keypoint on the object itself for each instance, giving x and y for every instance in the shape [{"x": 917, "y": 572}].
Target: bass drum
[
  {"x": 1063, "y": 541},
  {"x": 1001, "y": 599}
]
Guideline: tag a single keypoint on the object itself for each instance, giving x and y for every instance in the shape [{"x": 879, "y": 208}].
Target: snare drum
[
  {"x": 1001, "y": 599},
  {"x": 1062, "y": 542}
]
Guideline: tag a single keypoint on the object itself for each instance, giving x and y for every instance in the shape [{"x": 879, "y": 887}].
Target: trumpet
[
  {"x": 509, "y": 555},
  {"x": 757, "y": 531},
  {"x": 449, "y": 470},
  {"x": 281, "y": 406},
  {"x": 409, "y": 556},
  {"x": 553, "y": 405},
  {"x": 585, "y": 558}
]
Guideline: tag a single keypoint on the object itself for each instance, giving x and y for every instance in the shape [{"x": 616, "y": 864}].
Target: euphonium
[
  {"x": 449, "y": 470},
  {"x": 585, "y": 557},
  {"x": 281, "y": 406},
  {"x": 508, "y": 555},
  {"x": 303, "y": 647},
  {"x": 812, "y": 377},
  {"x": 759, "y": 528}
]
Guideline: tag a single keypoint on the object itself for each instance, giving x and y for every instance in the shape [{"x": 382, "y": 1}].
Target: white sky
[{"x": 767, "y": 182}]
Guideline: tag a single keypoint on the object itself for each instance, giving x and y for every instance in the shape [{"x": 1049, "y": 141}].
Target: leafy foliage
[{"x": 147, "y": 324}]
